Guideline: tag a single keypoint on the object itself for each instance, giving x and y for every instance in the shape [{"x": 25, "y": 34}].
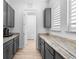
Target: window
[
  {"x": 56, "y": 20},
  {"x": 71, "y": 15}
]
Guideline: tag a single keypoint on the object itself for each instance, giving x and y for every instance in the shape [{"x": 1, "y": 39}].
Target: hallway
[{"x": 29, "y": 52}]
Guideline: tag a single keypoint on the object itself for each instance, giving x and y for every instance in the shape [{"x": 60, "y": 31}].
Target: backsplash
[{"x": 64, "y": 34}]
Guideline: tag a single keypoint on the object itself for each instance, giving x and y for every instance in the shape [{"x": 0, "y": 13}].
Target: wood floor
[{"x": 29, "y": 52}]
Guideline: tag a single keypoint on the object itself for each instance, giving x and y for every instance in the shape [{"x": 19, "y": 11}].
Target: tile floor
[{"x": 29, "y": 52}]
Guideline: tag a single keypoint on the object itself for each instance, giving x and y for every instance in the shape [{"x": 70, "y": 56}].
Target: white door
[{"x": 29, "y": 27}]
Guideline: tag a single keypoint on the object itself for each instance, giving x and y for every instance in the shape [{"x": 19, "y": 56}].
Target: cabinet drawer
[
  {"x": 50, "y": 49},
  {"x": 14, "y": 46},
  {"x": 7, "y": 43}
]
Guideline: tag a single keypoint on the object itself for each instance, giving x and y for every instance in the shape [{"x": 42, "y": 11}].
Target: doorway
[{"x": 29, "y": 27}]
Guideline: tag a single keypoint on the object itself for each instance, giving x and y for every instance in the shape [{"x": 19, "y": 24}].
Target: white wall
[
  {"x": 18, "y": 26},
  {"x": 63, "y": 32},
  {"x": 40, "y": 6},
  {"x": 40, "y": 20}
]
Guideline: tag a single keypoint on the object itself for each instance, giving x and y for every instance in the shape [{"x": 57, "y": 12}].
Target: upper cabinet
[
  {"x": 5, "y": 13},
  {"x": 8, "y": 15},
  {"x": 47, "y": 18},
  {"x": 10, "y": 22}
]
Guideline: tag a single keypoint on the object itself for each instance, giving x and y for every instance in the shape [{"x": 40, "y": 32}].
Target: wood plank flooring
[{"x": 29, "y": 52}]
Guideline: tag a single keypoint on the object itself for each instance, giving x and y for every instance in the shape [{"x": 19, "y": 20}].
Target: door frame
[{"x": 26, "y": 13}]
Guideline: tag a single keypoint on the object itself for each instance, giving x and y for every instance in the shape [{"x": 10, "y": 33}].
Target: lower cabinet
[
  {"x": 8, "y": 50},
  {"x": 48, "y": 55},
  {"x": 17, "y": 43},
  {"x": 42, "y": 49},
  {"x": 14, "y": 43},
  {"x": 58, "y": 56},
  {"x": 10, "y": 47},
  {"x": 39, "y": 44},
  {"x": 4, "y": 54},
  {"x": 47, "y": 52}
]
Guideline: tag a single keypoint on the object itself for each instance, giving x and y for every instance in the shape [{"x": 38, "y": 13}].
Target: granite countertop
[
  {"x": 6, "y": 39},
  {"x": 65, "y": 47}
]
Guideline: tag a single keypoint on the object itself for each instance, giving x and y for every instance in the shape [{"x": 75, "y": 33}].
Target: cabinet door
[
  {"x": 48, "y": 55},
  {"x": 10, "y": 21},
  {"x": 10, "y": 53},
  {"x": 47, "y": 18},
  {"x": 5, "y": 53},
  {"x": 39, "y": 44},
  {"x": 14, "y": 47},
  {"x": 5, "y": 13},
  {"x": 58, "y": 56},
  {"x": 42, "y": 50},
  {"x": 17, "y": 42},
  {"x": 8, "y": 50}
]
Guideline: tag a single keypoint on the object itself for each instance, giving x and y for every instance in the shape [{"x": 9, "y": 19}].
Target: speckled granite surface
[
  {"x": 65, "y": 47},
  {"x": 6, "y": 39}
]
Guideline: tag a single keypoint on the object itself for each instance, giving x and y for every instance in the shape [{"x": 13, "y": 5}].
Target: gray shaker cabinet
[
  {"x": 10, "y": 48},
  {"x": 5, "y": 53},
  {"x": 5, "y": 15},
  {"x": 42, "y": 48},
  {"x": 8, "y": 15},
  {"x": 10, "y": 21},
  {"x": 16, "y": 44},
  {"x": 47, "y": 18},
  {"x": 58, "y": 56},
  {"x": 10, "y": 52},
  {"x": 39, "y": 44},
  {"x": 47, "y": 52}
]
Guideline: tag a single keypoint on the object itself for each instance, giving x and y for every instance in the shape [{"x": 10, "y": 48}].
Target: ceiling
[{"x": 24, "y": 3}]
